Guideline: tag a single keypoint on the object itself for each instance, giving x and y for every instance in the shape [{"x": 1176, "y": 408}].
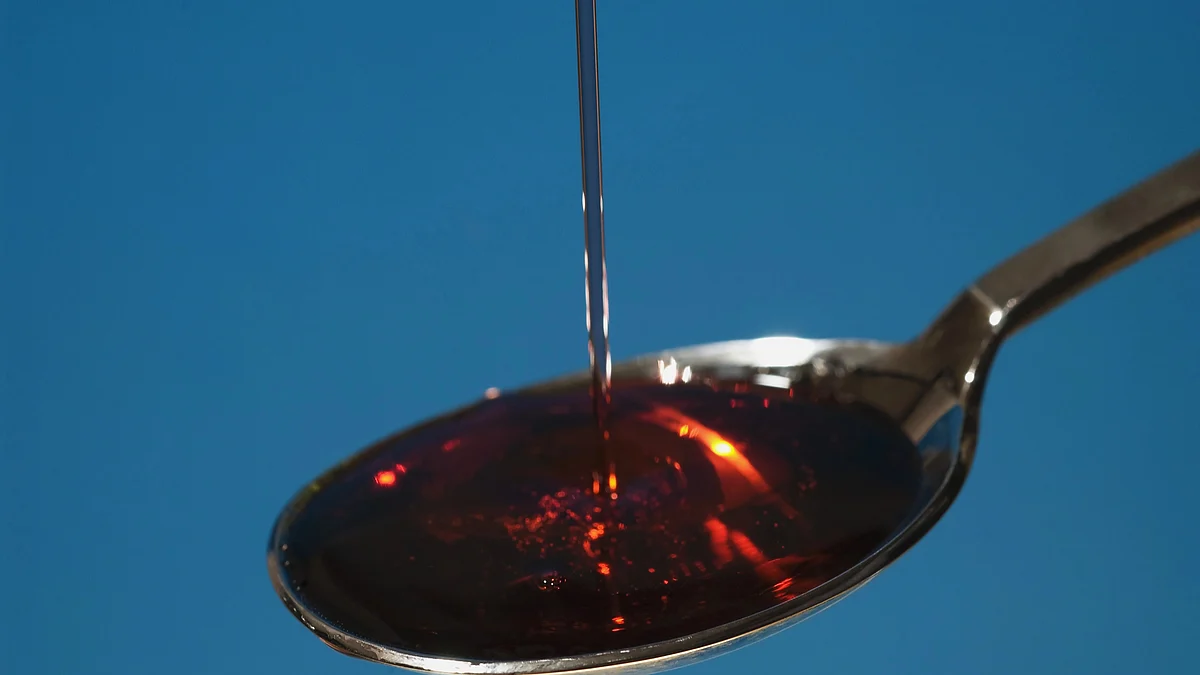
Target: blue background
[{"x": 241, "y": 240}]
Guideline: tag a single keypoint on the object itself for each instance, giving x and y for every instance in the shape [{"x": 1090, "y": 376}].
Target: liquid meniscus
[{"x": 493, "y": 534}]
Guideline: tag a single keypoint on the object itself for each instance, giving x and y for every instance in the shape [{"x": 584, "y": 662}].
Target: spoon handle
[{"x": 1114, "y": 235}]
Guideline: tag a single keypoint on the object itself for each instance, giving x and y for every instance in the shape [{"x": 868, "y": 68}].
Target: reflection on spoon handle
[
  {"x": 1113, "y": 236},
  {"x": 593, "y": 206}
]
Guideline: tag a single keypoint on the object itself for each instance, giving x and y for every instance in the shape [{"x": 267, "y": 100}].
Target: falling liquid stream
[
  {"x": 604, "y": 471},
  {"x": 596, "y": 289}
]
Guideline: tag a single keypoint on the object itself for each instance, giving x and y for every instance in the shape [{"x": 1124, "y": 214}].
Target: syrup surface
[{"x": 489, "y": 533}]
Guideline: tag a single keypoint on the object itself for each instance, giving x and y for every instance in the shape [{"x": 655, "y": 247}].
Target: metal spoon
[{"x": 929, "y": 388}]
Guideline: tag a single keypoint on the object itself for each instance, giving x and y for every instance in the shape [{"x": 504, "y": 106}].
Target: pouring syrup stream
[{"x": 596, "y": 289}]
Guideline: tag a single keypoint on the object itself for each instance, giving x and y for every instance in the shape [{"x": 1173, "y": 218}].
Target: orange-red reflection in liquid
[
  {"x": 670, "y": 418},
  {"x": 388, "y": 477},
  {"x": 726, "y": 456},
  {"x": 767, "y": 569},
  {"x": 718, "y": 536}
]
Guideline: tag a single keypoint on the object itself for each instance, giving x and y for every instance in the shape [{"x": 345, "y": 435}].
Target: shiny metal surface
[{"x": 931, "y": 386}]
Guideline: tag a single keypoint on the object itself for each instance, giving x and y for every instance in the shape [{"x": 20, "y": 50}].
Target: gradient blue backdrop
[{"x": 242, "y": 239}]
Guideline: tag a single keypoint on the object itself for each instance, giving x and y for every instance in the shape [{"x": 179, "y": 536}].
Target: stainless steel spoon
[{"x": 930, "y": 388}]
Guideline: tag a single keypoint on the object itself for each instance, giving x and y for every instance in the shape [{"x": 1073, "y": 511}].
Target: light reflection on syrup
[
  {"x": 767, "y": 569},
  {"x": 387, "y": 477},
  {"x": 718, "y": 535},
  {"x": 669, "y": 418}
]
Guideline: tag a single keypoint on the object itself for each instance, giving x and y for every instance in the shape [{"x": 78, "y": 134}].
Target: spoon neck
[{"x": 958, "y": 347}]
